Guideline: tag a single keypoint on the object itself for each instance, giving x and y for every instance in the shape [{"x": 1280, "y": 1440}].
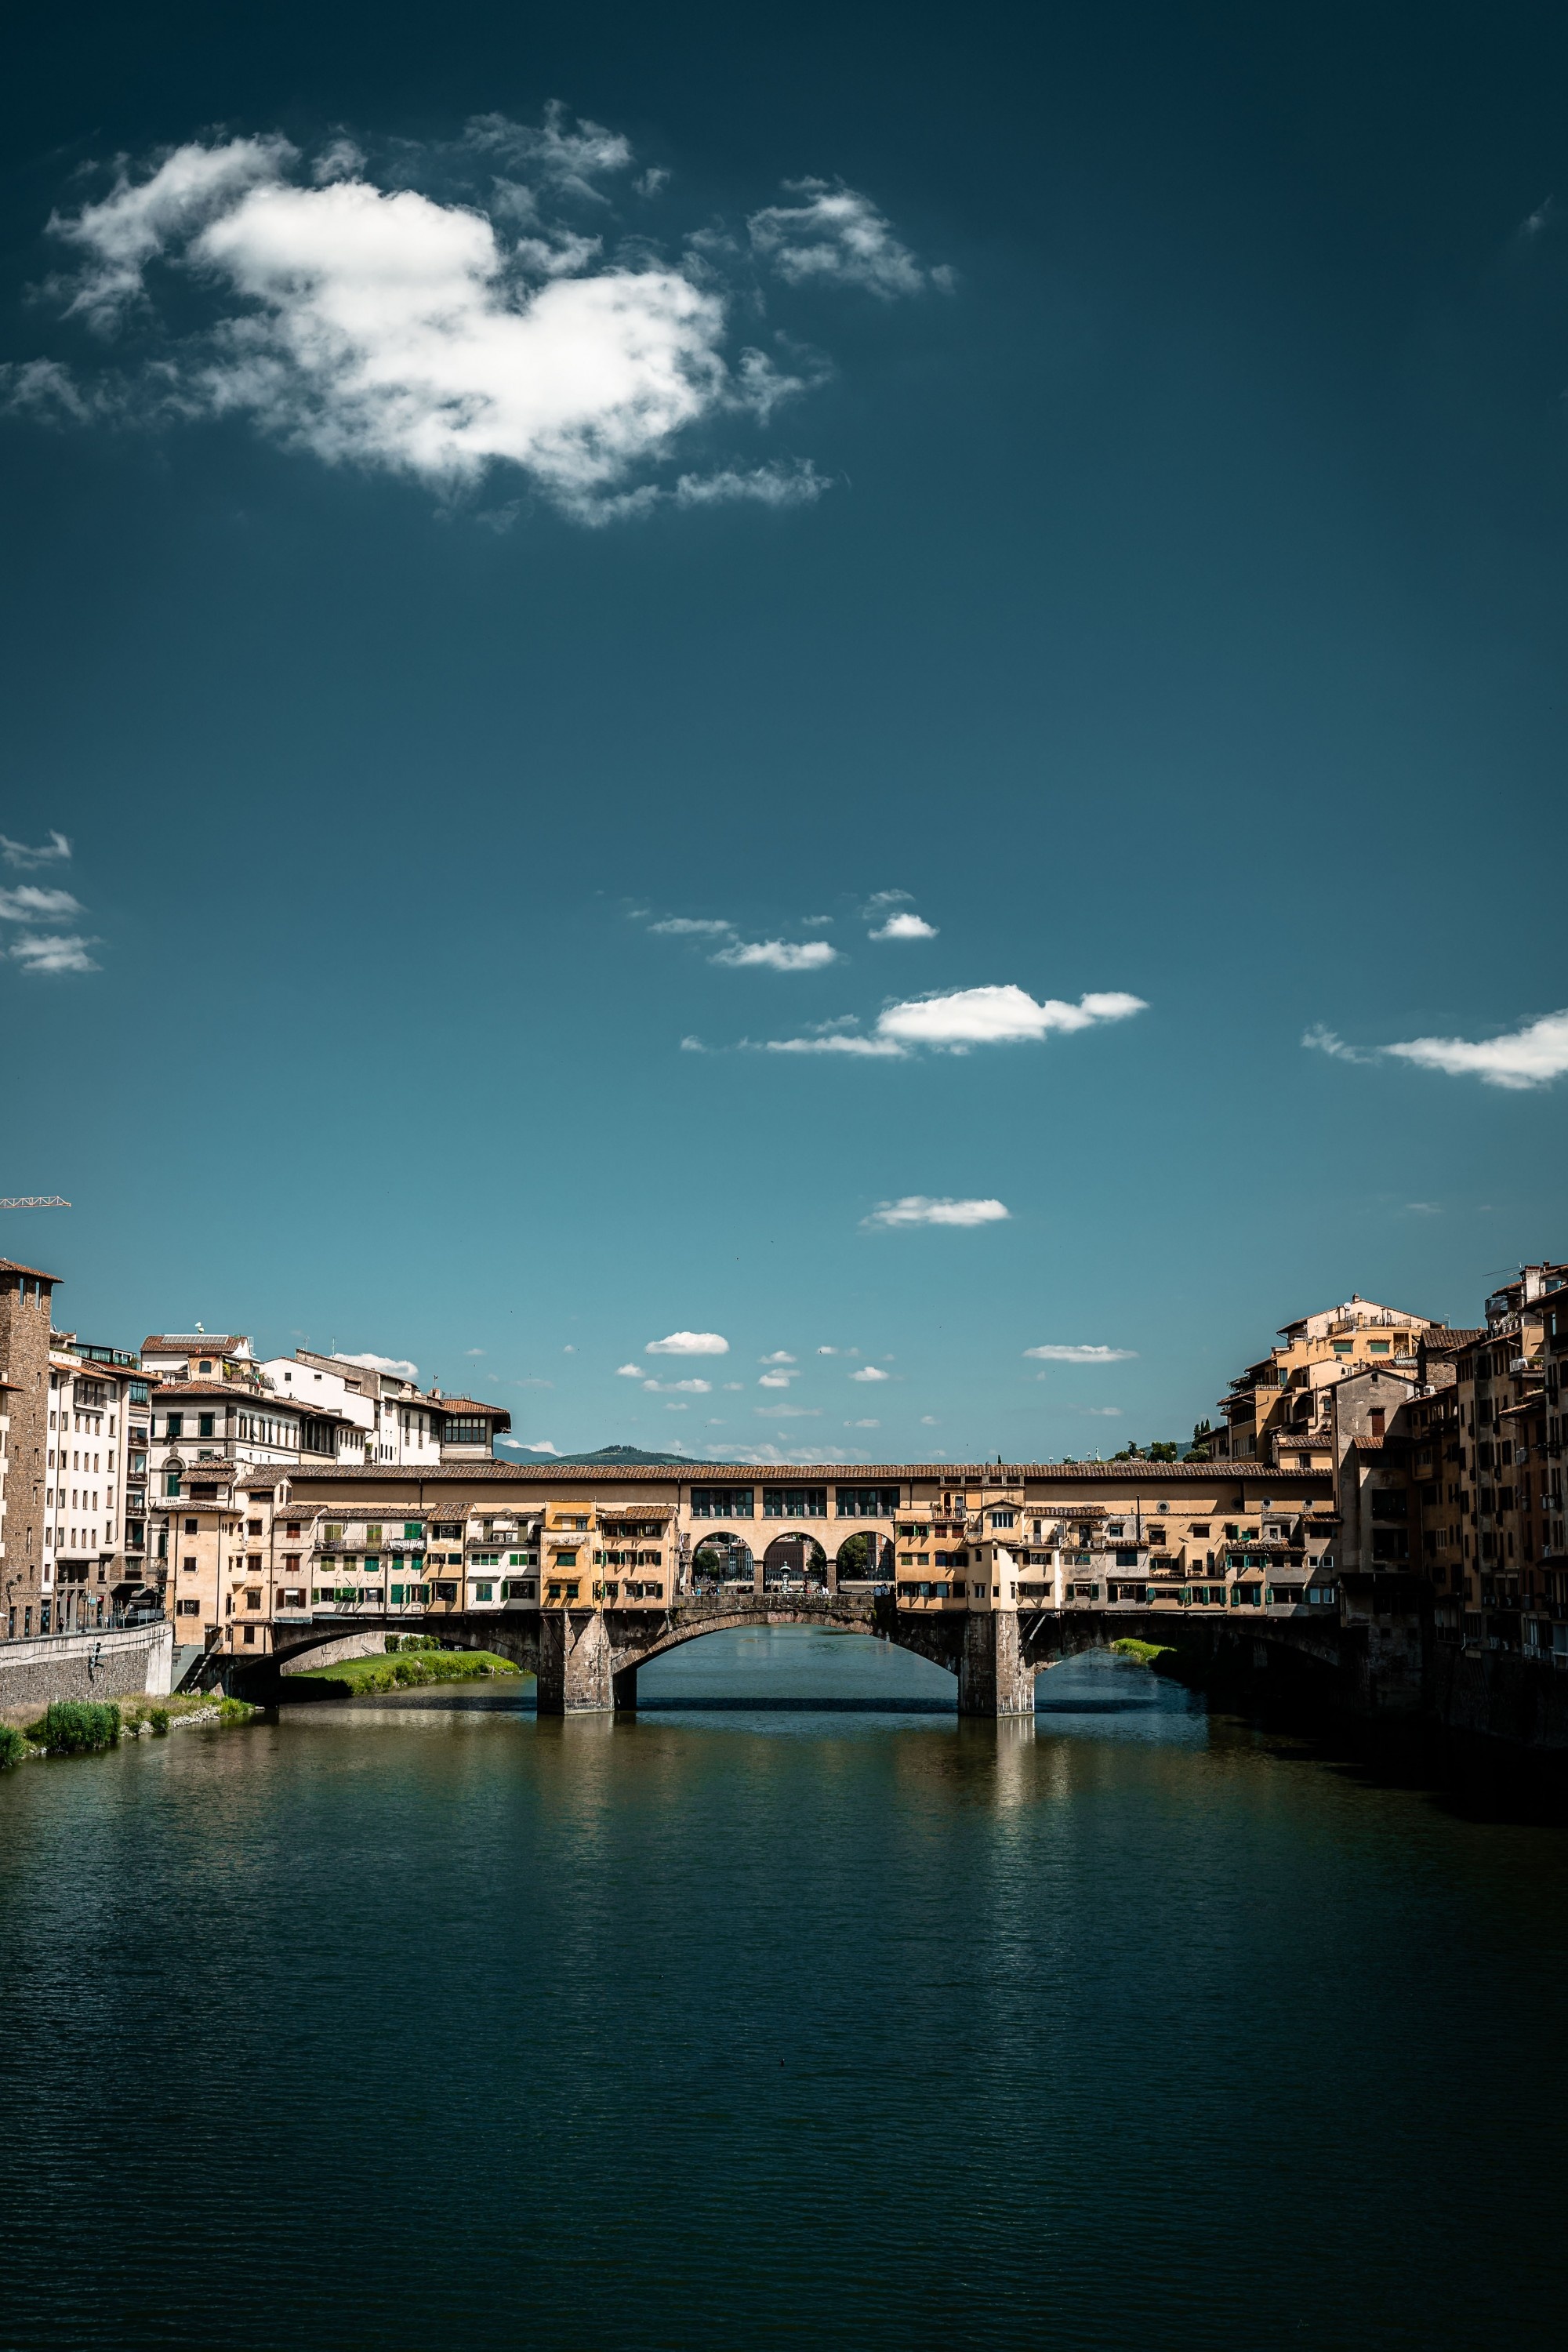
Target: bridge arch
[
  {"x": 719, "y": 1559},
  {"x": 794, "y": 1558},
  {"x": 866, "y": 1558}
]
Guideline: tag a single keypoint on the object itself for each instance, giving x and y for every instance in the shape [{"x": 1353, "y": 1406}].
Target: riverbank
[
  {"x": 401, "y": 1670},
  {"x": 76, "y": 1728}
]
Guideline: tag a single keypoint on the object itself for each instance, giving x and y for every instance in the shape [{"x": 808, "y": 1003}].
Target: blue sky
[{"x": 665, "y": 647}]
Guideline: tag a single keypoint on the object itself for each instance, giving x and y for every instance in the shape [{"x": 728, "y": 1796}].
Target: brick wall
[{"x": 24, "y": 1360}]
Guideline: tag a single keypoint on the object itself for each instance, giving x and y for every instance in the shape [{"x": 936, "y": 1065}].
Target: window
[
  {"x": 484, "y": 1592},
  {"x": 172, "y": 1483},
  {"x": 1389, "y": 1503},
  {"x": 722, "y": 1502},
  {"x": 1343, "y": 1347},
  {"x": 1001, "y": 1518},
  {"x": 565, "y": 1560},
  {"x": 445, "y": 1593},
  {"x": 187, "y": 1609},
  {"x": 372, "y": 1538},
  {"x": 464, "y": 1429},
  {"x": 795, "y": 1501},
  {"x": 253, "y": 1598},
  {"x": 253, "y": 1527},
  {"x": 411, "y": 1531},
  {"x": 174, "y": 1426},
  {"x": 1377, "y": 1347},
  {"x": 204, "y": 1425},
  {"x": 868, "y": 1502},
  {"x": 1199, "y": 1534}
]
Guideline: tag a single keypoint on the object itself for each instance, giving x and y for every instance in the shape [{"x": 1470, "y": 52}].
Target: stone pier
[{"x": 994, "y": 1677}]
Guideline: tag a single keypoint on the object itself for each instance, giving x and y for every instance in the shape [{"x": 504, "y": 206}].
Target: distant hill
[{"x": 609, "y": 1456}]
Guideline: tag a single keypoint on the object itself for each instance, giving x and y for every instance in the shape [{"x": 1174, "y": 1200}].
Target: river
[{"x": 793, "y": 2012}]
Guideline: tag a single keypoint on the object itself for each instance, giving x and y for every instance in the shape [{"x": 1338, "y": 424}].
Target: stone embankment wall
[
  {"x": 127, "y": 1662},
  {"x": 331, "y": 1653},
  {"x": 1499, "y": 1695}
]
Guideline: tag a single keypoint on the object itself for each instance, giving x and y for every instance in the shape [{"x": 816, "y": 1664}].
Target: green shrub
[
  {"x": 159, "y": 1717},
  {"x": 13, "y": 1746},
  {"x": 76, "y": 1727},
  {"x": 236, "y": 1710}
]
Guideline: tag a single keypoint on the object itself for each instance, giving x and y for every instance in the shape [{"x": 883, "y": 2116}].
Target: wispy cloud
[
  {"x": 905, "y": 926},
  {"x": 690, "y": 927},
  {"x": 673, "y": 1388},
  {"x": 777, "y": 1380},
  {"x": 689, "y": 1343},
  {"x": 1084, "y": 1355},
  {"x": 1522, "y": 1059},
  {"x": 44, "y": 952},
  {"x": 862, "y": 1425},
  {"x": 1319, "y": 1040},
  {"x": 56, "y": 851},
  {"x": 34, "y": 904},
  {"x": 877, "y": 1049},
  {"x": 920, "y": 1209},
  {"x": 789, "y": 1412},
  {"x": 779, "y": 1355},
  {"x": 397, "y": 1365},
  {"x": 869, "y": 1372},
  {"x": 1518, "y": 1061},
  {"x": 468, "y": 307},
  {"x": 835, "y": 236},
  {"x": 779, "y": 955}
]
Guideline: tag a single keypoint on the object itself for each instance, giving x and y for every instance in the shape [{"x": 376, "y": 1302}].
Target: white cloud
[
  {"x": 568, "y": 1350},
  {"x": 779, "y": 1355},
  {"x": 998, "y": 1016},
  {"x": 393, "y": 1364},
  {"x": 862, "y": 1425},
  {"x": 34, "y": 904},
  {"x": 735, "y": 1388},
  {"x": 881, "y": 900},
  {"x": 674, "y": 1387},
  {"x": 533, "y": 1384},
  {"x": 964, "y": 1017},
  {"x": 836, "y": 237},
  {"x": 692, "y": 1046},
  {"x": 870, "y": 1372},
  {"x": 828, "y": 1351},
  {"x": 473, "y": 1352},
  {"x": 930, "y": 1421},
  {"x": 779, "y": 955},
  {"x": 1423, "y": 1209},
  {"x": 689, "y": 1343},
  {"x": 881, "y": 1049},
  {"x": 543, "y": 1445},
  {"x": 1328, "y": 1041},
  {"x": 789, "y": 1412},
  {"x": 685, "y": 926},
  {"x": 1524, "y": 1058},
  {"x": 815, "y": 922},
  {"x": 905, "y": 926},
  {"x": 628, "y": 1371},
  {"x": 677, "y": 1408},
  {"x": 384, "y": 327},
  {"x": 40, "y": 952},
  {"x": 1086, "y": 1355},
  {"x": 56, "y": 851},
  {"x": 917, "y": 1209},
  {"x": 780, "y": 1379},
  {"x": 1102, "y": 1412}
]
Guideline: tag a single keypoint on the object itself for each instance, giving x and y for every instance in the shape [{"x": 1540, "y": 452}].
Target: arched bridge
[{"x": 586, "y": 1661}]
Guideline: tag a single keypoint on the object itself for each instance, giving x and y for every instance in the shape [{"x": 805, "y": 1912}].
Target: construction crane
[{"x": 36, "y": 1201}]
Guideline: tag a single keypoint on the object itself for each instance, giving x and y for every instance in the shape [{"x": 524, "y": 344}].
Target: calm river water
[{"x": 422, "y": 2023}]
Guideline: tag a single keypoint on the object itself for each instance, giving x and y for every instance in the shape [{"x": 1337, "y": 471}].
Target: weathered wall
[
  {"x": 1498, "y": 1695},
  {"x": 352, "y": 1645},
  {"x": 128, "y": 1663}
]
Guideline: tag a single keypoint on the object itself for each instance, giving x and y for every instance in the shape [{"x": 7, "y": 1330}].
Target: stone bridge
[{"x": 586, "y": 1661}]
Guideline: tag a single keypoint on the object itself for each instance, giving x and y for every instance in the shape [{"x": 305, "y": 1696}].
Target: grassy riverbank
[
  {"x": 409, "y": 1670},
  {"x": 86, "y": 1727},
  {"x": 1144, "y": 1651}
]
